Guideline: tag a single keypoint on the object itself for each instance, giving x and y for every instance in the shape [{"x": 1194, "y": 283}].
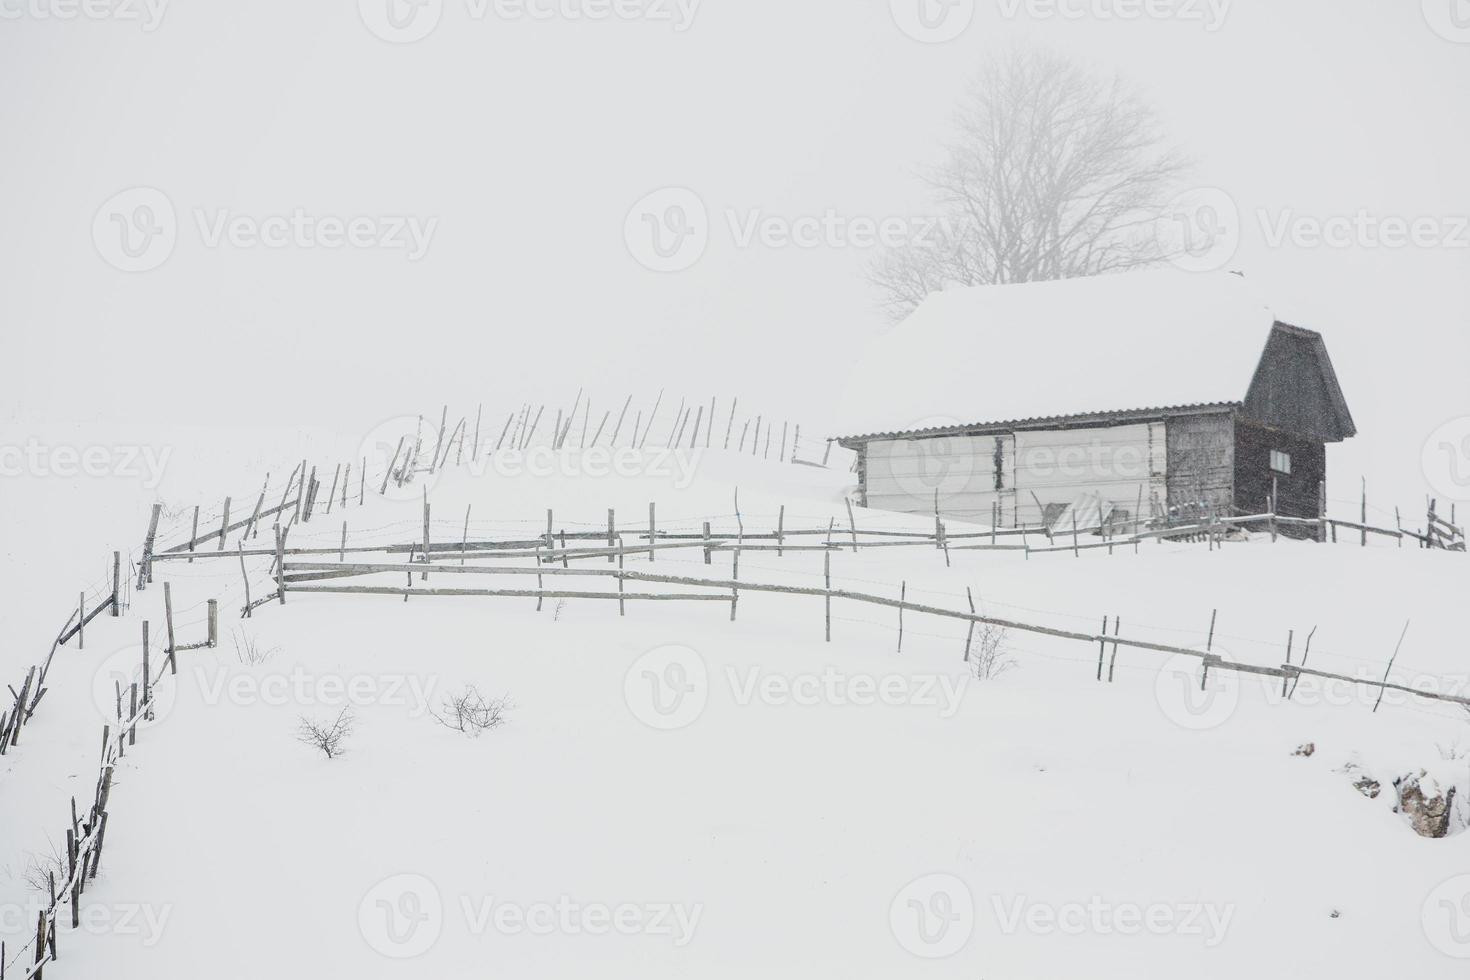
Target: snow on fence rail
[
  {"x": 25, "y": 701},
  {"x": 85, "y": 833}
]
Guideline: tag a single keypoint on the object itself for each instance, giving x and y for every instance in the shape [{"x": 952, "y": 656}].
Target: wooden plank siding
[
  {"x": 1298, "y": 494},
  {"x": 1201, "y": 466}
]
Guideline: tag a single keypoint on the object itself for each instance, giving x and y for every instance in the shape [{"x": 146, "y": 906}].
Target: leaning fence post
[
  {"x": 145, "y": 567},
  {"x": 970, "y": 635},
  {"x": 116, "y": 583},
  {"x": 194, "y": 534},
  {"x": 224, "y": 526},
  {"x": 903, "y": 595},
  {"x": 168, "y": 621}
]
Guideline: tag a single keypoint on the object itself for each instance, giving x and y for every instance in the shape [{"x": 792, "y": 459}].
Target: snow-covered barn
[{"x": 1140, "y": 393}]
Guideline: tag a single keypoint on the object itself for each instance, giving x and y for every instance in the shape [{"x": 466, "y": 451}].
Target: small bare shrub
[
  {"x": 989, "y": 654},
  {"x": 249, "y": 651},
  {"x": 42, "y": 866},
  {"x": 556, "y": 610},
  {"x": 471, "y": 713},
  {"x": 328, "y": 737}
]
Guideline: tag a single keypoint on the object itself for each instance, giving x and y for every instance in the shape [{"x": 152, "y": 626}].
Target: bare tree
[
  {"x": 1056, "y": 172},
  {"x": 326, "y": 736},
  {"x": 249, "y": 651},
  {"x": 991, "y": 657},
  {"x": 469, "y": 712}
]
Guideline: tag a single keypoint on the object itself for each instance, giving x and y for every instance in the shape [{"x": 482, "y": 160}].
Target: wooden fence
[{"x": 87, "y": 829}]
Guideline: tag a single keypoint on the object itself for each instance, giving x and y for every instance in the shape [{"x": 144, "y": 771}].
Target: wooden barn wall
[
  {"x": 1123, "y": 464},
  {"x": 971, "y": 475},
  {"x": 1290, "y": 392},
  {"x": 1201, "y": 467},
  {"x": 1297, "y": 494}
]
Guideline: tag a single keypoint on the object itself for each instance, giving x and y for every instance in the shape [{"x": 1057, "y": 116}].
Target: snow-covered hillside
[{"x": 677, "y": 794}]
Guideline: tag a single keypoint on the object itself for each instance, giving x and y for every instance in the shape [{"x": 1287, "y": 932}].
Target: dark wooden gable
[{"x": 1296, "y": 390}]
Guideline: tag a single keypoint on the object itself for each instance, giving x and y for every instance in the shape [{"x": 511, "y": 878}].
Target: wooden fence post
[
  {"x": 168, "y": 622},
  {"x": 827, "y": 599},
  {"x": 903, "y": 598},
  {"x": 970, "y": 635},
  {"x": 394, "y": 462},
  {"x": 116, "y": 583},
  {"x": 194, "y": 533},
  {"x": 145, "y": 568},
  {"x": 1322, "y": 511},
  {"x": 224, "y": 526},
  {"x": 612, "y": 531},
  {"x": 652, "y": 534},
  {"x": 213, "y": 623},
  {"x": 1365, "y": 512},
  {"x": 281, "y": 565},
  {"x": 735, "y": 576},
  {"x": 424, "y": 575}
]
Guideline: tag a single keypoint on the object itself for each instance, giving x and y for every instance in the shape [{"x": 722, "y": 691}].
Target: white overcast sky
[{"x": 529, "y": 140}]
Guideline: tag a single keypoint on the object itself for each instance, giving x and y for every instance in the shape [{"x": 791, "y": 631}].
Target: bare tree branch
[{"x": 1055, "y": 173}]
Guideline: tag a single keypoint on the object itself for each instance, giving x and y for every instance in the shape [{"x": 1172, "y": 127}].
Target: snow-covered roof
[{"x": 991, "y": 354}]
